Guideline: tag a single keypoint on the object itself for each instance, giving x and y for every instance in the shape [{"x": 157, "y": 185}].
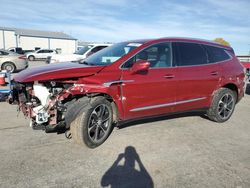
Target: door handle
[
  {"x": 169, "y": 76},
  {"x": 214, "y": 73}
]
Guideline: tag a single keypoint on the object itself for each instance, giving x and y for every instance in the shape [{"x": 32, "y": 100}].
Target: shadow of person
[{"x": 127, "y": 175}]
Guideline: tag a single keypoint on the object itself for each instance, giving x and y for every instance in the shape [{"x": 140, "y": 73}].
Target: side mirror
[{"x": 140, "y": 66}]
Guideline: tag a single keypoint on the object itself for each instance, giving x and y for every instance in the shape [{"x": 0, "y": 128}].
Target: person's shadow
[{"x": 127, "y": 175}]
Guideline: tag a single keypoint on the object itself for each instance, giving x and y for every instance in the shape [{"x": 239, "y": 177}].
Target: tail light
[{"x": 22, "y": 57}]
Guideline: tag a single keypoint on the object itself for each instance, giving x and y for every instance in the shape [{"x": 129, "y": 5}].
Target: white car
[
  {"x": 82, "y": 53},
  {"x": 40, "y": 54}
]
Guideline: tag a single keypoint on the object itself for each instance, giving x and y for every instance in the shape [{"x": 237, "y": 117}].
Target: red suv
[{"x": 130, "y": 80}]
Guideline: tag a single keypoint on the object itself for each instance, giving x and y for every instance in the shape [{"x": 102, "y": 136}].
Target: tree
[{"x": 222, "y": 41}]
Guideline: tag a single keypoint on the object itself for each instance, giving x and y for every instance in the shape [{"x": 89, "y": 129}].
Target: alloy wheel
[
  {"x": 99, "y": 123},
  {"x": 226, "y": 106}
]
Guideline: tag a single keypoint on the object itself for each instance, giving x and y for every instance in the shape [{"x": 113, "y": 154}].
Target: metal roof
[{"x": 38, "y": 33}]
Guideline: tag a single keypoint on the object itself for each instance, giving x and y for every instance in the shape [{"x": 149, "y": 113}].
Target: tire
[
  {"x": 222, "y": 106},
  {"x": 31, "y": 58},
  {"x": 9, "y": 66},
  {"x": 93, "y": 124}
]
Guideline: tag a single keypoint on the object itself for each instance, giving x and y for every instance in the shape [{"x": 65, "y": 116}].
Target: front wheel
[
  {"x": 9, "y": 67},
  {"x": 223, "y": 105},
  {"x": 93, "y": 124}
]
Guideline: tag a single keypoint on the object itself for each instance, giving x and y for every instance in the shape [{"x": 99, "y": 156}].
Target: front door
[{"x": 151, "y": 92}]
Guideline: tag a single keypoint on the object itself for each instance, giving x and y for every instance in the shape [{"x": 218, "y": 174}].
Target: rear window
[
  {"x": 216, "y": 54},
  {"x": 190, "y": 54}
]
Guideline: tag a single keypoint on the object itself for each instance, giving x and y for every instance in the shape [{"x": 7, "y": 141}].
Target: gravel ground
[{"x": 175, "y": 151}]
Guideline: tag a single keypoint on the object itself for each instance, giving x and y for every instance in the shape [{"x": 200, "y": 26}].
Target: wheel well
[
  {"x": 233, "y": 87},
  {"x": 8, "y": 62},
  {"x": 31, "y": 56},
  {"x": 113, "y": 104}
]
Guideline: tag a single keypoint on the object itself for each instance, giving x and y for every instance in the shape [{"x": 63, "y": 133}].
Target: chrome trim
[
  {"x": 107, "y": 84},
  {"x": 166, "y": 104}
]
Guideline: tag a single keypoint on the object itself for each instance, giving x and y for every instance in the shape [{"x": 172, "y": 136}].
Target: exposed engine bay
[{"x": 45, "y": 103}]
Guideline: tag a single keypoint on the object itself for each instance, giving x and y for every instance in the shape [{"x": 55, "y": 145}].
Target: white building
[{"x": 29, "y": 39}]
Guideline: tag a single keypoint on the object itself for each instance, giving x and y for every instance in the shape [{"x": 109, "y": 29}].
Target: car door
[
  {"x": 197, "y": 78},
  {"x": 151, "y": 92},
  {"x": 3, "y": 55},
  {"x": 39, "y": 54},
  {"x": 46, "y": 53}
]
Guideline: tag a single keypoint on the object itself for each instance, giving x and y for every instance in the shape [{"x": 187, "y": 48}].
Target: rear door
[
  {"x": 152, "y": 92},
  {"x": 197, "y": 77}
]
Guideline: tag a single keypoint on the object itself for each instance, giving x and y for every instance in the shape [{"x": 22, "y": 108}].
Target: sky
[{"x": 120, "y": 20}]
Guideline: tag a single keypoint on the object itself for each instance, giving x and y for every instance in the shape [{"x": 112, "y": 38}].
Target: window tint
[
  {"x": 216, "y": 54},
  {"x": 190, "y": 54},
  {"x": 98, "y": 48},
  {"x": 41, "y": 51},
  {"x": 158, "y": 55}
]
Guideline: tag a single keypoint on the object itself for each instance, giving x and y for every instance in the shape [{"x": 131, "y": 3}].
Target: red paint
[
  {"x": 56, "y": 71},
  {"x": 152, "y": 86}
]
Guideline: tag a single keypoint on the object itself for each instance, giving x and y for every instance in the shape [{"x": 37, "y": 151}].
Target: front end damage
[{"x": 46, "y": 104}]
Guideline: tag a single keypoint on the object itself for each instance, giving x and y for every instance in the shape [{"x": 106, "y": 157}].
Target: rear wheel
[
  {"x": 31, "y": 58},
  {"x": 9, "y": 66},
  {"x": 93, "y": 124},
  {"x": 223, "y": 105}
]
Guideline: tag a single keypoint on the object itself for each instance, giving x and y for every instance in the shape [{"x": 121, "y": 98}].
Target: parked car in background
[
  {"x": 40, "y": 54},
  {"x": 245, "y": 61},
  {"x": 28, "y": 51},
  {"x": 82, "y": 53},
  {"x": 130, "y": 80},
  {"x": 16, "y": 50},
  {"x": 12, "y": 62}
]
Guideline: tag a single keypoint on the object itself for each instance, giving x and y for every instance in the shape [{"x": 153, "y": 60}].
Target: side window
[
  {"x": 98, "y": 48},
  {"x": 158, "y": 55},
  {"x": 40, "y": 51},
  {"x": 216, "y": 54},
  {"x": 102, "y": 47},
  {"x": 95, "y": 49},
  {"x": 49, "y": 51},
  {"x": 190, "y": 54}
]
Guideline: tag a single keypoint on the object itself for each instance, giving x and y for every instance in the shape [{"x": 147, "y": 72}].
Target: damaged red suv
[{"x": 130, "y": 80}]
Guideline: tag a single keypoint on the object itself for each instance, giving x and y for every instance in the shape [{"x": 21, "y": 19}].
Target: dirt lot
[{"x": 175, "y": 151}]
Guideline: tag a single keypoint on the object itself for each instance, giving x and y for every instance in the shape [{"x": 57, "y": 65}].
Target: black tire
[
  {"x": 222, "y": 106},
  {"x": 31, "y": 58},
  {"x": 93, "y": 124},
  {"x": 9, "y": 66}
]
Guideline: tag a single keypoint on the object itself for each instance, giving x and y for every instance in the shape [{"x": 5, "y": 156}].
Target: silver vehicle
[
  {"x": 40, "y": 54},
  {"x": 82, "y": 53},
  {"x": 12, "y": 62}
]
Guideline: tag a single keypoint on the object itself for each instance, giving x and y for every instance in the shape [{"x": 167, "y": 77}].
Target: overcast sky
[{"x": 119, "y": 20}]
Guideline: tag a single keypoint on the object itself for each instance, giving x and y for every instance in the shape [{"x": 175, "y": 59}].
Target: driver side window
[{"x": 158, "y": 55}]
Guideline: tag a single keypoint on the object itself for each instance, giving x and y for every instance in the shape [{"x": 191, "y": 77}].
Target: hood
[{"x": 56, "y": 71}]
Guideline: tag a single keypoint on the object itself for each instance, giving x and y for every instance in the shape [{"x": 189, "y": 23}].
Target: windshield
[
  {"x": 83, "y": 50},
  {"x": 110, "y": 54}
]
